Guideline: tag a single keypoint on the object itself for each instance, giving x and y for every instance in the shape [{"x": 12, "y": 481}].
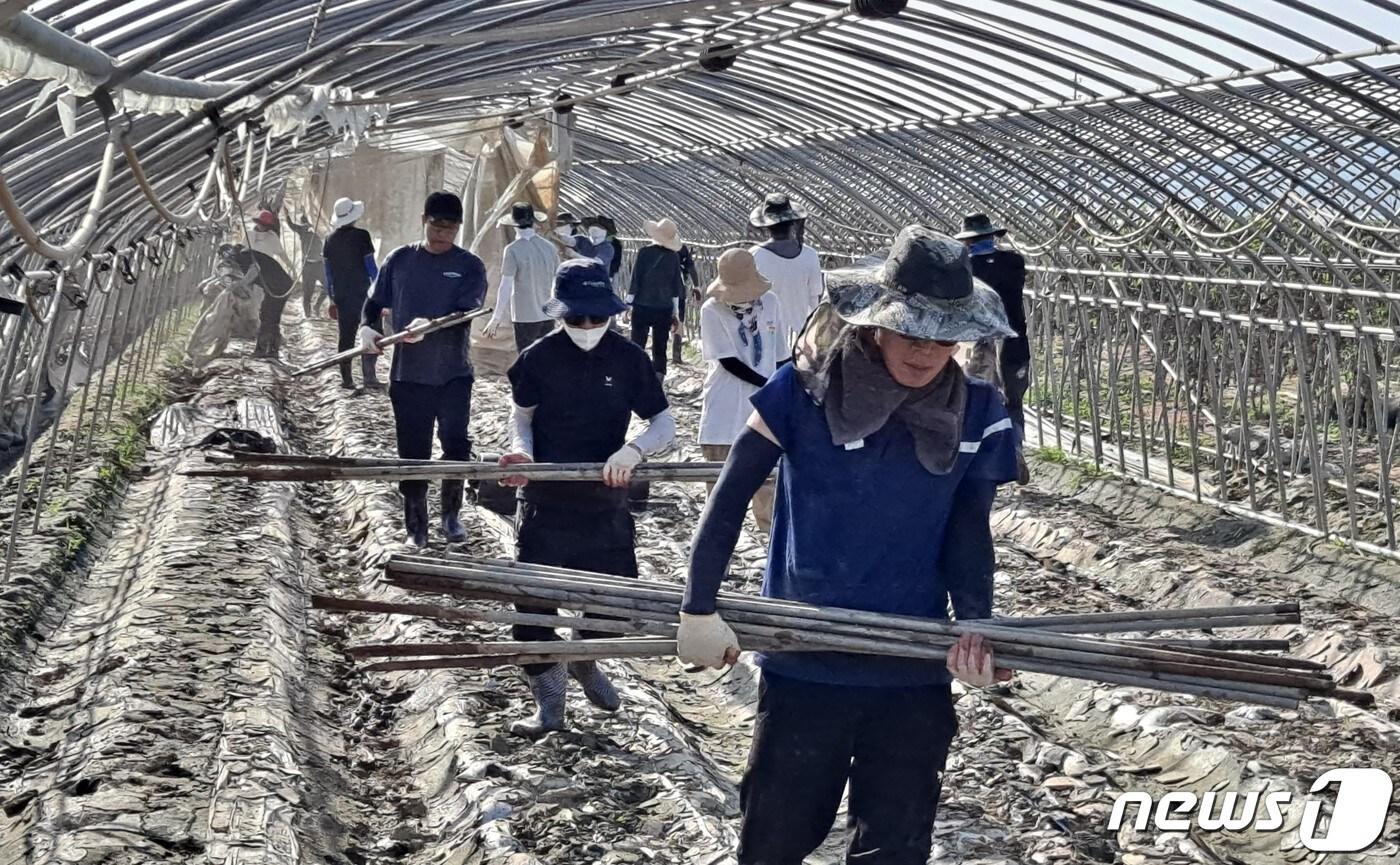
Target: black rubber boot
[
  {"x": 452, "y": 528},
  {"x": 550, "y": 689},
  {"x": 415, "y": 518},
  {"x": 347, "y": 381},
  {"x": 596, "y": 687}
]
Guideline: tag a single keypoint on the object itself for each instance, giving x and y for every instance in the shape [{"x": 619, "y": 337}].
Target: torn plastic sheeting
[
  {"x": 19, "y": 63},
  {"x": 294, "y": 113}
]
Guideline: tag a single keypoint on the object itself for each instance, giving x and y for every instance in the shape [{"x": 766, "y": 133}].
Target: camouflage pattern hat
[{"x": 924, "y": 289}]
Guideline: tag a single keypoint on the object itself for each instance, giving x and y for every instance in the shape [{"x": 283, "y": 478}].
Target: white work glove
[
  {"x": 417, "y": 322},
  {"x": 970, "y": 661},
  {"x": 617, "y": 471},
  {"x": 706, "y": 641},
  {"x": 369, "y": 340}
]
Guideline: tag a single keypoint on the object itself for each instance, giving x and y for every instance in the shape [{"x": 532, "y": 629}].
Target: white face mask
[
  {"x": 586, "y": 338},
  {"x": 597, "y": 234},
  {"x": 564, "y": 230}
]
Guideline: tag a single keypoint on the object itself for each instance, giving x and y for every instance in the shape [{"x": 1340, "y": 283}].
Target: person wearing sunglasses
[
  {"x": 890, "y": 458},
  {"x": 575, "y": 392}
]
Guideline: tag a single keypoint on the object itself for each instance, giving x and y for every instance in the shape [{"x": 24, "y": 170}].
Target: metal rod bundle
[
  {"x": 441, "y": 323},
  {"x": 305, "y": 469},
  {"x": 646, "y": 614}
]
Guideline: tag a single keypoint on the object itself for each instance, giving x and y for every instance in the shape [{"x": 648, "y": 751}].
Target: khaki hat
[
  {"x": 663, "y": 233},
  {"x": 739, "y": 281}
]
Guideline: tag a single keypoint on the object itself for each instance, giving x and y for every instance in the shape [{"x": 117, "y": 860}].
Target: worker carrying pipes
[
  {"x": 430, "y": 380},
  {"x": 785, "y": 260},
  {"x": 349, "y": 270},
  {"x": 574, "y": 394},
  {"x": 1004, "y": 270},
  {"x": 528, "y": 264},
  {"x": 265, "y": 244},
  {"x": 890, "y": 458}
]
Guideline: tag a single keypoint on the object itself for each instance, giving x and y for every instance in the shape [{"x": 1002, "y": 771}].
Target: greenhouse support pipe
[
  {"x": 135, "y": 68},
  {"x": 97, "y": 340},
  {"x": 31, "y": 423},
  {"x": 62, "y": 397},
  {"x": 59, "y": 47},
  {"x": 77, "y": 243},
  {"x": 144, "y": 184}
]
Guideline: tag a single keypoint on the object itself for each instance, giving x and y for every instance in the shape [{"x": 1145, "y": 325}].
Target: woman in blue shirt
[{"x": 889, "y": 461}]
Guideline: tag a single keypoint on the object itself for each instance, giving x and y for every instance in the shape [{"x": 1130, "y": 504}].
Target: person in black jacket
[
  {"x": 1005, "y": 271},
  {"x": 655, "y": 296},
  {"x": 349, "y": 269}
]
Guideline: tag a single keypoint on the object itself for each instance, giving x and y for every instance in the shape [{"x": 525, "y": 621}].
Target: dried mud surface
[{"x": 179, "y": 702}]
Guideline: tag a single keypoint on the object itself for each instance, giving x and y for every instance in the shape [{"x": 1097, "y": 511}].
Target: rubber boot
[
  {"x": 415, "y": 517},
  {"x": 1023, "y": 471},
  {"x": 347, "y": 381},
  {"x": 675, "y": 348},
  {"x": 596, "y": 687},
  {"x": 549, "y": 688},
  {"x": 367, "y": 370},
  {"x": 452, "y": 528}
]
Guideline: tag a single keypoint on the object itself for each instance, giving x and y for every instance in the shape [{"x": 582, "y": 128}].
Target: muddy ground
[{"x": 177, "y": 701}]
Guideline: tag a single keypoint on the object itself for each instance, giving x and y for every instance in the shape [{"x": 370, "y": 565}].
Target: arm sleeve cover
[
  {"x": 968, "y": 559},
  {"x": 522, "y": 421},
  {"x": 751, "y": 460},
  {"x": 660, "y": 431},
  {"x": 326, "y": 274},
  {"x": 371, "y": 269},
  {"x": 742, "y": 371}
]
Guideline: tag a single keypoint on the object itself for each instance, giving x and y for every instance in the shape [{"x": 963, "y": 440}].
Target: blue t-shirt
[
  {"x": 863, "y": 526},
  {"x": 415, "y": 283}
]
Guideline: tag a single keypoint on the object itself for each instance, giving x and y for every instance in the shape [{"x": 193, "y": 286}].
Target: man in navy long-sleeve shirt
[{"x": 430, "y": 380}]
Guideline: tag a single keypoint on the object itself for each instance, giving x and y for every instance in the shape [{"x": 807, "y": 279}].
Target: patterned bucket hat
[{"x": 924, "y": 289}]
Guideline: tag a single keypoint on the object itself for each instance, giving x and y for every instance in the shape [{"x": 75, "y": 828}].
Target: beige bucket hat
[
  {"x": 739, "y": 281},
  {"x": 663, "y": 233}
]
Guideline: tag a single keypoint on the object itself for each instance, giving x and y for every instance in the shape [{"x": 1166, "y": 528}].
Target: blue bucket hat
[{"x": 582, "y": 287}]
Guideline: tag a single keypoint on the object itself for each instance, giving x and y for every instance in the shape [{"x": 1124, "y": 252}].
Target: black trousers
[
  {"x": 653, "y": 322},
  {"x": 270, "y": 325},
  {"x": 526, "y": 332},
  {"x": 602, "y": 541},
  {"x": 417, "y": 408},
  {"x": 811, "y": 739},
  {"x": 1015, "y": 379},
  {"x": 347, "y": 324}
]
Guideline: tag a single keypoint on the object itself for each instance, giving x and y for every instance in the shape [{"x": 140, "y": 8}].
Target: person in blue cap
[
  {"x": 890, "y": 458},
  {"x": 574, "y": 394},
  {"x": 430, "y": 380}
]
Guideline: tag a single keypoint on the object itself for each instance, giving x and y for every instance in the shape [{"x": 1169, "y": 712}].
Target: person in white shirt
[
  {"x": 794, "y": 268},
  {"x": 528, "y": 265},
  {"x": 742, "y": 338}
]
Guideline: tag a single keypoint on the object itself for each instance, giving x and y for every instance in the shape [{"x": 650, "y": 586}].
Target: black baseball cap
[{"x": 443, "y": 206}]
